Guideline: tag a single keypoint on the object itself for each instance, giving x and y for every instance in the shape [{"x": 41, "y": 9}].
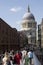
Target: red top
[{"x": 17, "y": 57}]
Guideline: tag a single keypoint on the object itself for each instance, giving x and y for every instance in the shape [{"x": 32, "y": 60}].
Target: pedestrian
[
  {"x": 30, "y": 56},
  {"x": 12, "y": 59},
  {"x": 17, "y": 58},
  {"x": 26, "y": 59},
  {"x": 6, "y": 59},
  {"x": 22, "y": 61}
]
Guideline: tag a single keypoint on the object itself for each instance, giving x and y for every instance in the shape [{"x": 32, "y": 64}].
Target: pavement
[{"x": 35, "y": 60}]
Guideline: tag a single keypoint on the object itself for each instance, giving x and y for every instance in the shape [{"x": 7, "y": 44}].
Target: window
[{"x": 29, "y": 24}]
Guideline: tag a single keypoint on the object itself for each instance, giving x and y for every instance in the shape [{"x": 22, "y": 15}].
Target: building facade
[
  {"x": 42, "y": 33},
  {"x": 23, "y": 39},
  {"x": 40, "y": 41},
  {"x": 8, "y": 37},
  {"x": 39, "y": 35},
  {"x": 29, "y": 27}
]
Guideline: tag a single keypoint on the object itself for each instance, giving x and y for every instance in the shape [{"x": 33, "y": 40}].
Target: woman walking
[{"x": 6, "y": 60}]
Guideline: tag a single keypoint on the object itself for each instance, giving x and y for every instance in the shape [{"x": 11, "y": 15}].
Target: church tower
[{"x": 29, "y": 27}]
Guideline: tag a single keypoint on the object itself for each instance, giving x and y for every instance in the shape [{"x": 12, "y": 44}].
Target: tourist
[
  {"x": 6, "y": 59},
  {"x": 12, "y": 58},
  {"x": 30, "y": 56},
  {"x": 17, "y": 58},
  {"x": 26, "y": 59}
]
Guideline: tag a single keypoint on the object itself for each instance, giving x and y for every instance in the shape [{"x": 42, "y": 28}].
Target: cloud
[{"x": 15, "y": 9}]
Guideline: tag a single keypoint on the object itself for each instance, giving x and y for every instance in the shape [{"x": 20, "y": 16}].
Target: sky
[{"x": 12, "y": 11}]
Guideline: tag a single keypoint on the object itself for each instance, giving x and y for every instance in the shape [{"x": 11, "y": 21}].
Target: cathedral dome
[{"x": 28, "y": 15}]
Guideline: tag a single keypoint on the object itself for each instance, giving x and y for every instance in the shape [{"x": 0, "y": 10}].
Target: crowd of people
[{"x": 16, "y": 58}]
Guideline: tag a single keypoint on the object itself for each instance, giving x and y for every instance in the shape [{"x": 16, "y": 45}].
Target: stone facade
[
  {"x": 29, "y": 27},
  {"x": 40, "y": 42},
  {"x": 42, "y": 33},
  {"x": 23, "y": 39},
  {"x": 39, "y": 35}
]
